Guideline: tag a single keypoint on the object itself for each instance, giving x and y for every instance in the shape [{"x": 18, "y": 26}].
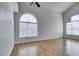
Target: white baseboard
[
  {"x": 11, "y": 50},
  {"x": 31, "y": 40}
]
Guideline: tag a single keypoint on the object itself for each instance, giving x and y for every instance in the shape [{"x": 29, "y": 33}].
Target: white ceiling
[{"x": 57, "y": 6}]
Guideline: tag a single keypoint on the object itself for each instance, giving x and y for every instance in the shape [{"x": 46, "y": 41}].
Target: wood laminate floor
[
  {"x": 53, "y": 47},
  {"x": 40, "y": 48}
]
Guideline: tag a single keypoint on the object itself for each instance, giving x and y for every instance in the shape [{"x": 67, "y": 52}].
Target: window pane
[
  {"x": 33, "y": 31},
  {"x": 75, "y": 28},
  {"x": 75, "y": 25},
  {"x": 68, "y": 28},
  {"x": 75, "y": 18},
  {"x": 75, "y": 32},
  {"x": 28, "y": 18},
  {"x": 23, "y": 29},
  {"x": 28, "y": 30}
]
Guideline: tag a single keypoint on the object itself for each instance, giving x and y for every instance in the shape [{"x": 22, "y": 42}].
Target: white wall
[
  {"x": 6, "y": 29},
  {"x": 74, "y": 10},
  {"x": 14, "y": 6},
  {"x": 49, "y": 23}
]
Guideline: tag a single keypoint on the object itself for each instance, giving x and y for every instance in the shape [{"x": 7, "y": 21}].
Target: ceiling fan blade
[
  {"x": 31, "y": 3},
  {"x": 37, "y": 4}
]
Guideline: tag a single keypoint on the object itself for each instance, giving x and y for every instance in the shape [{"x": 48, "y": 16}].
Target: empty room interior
[{"x": 39, "y": 28}]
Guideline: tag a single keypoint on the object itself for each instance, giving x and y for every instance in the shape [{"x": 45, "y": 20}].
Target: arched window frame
[{"x": 30, "y": 24}]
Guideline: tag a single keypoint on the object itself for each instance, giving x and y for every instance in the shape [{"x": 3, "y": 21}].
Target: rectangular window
[
  {"x": 68, "y": 28},
  {"x": 72, "y": 28},
  {"x": 28, "y": 29}
]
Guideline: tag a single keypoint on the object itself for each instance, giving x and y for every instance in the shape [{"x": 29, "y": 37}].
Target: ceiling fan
[{"x": 38, "y": 5}]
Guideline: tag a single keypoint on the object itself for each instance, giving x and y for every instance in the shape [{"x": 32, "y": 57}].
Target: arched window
[{"x": 28, "y": 26}]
